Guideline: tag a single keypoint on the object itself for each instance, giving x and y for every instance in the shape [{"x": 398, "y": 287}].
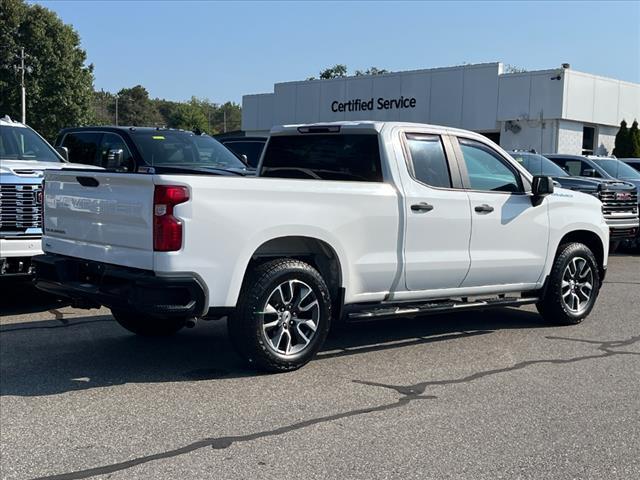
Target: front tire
[
  {"x": 283, "y": 315},
  {"x": 148, "y": 326},
  {"x": 572, "y": 286}
]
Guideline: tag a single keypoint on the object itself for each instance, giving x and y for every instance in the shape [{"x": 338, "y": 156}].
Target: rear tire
[
  {"x": 572, "y": 286},
  {"x": 282, "y": 317},
  {"x": 148, "y": 326}
]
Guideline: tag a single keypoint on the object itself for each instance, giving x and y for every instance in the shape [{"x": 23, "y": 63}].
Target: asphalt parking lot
[{"x": 489, "y": 395}]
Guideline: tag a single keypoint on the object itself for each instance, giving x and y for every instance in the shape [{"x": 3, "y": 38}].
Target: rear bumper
[{"x": 91, "y": 284}]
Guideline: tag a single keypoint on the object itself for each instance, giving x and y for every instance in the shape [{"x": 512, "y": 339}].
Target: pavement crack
[
  {"x": 605, "y": 348},
  {"x": 409, "y": 393},
  {"x": 221, "y": 443}
]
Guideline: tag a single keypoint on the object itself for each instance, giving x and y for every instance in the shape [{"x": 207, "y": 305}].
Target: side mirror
[
  {"x": 245, "y": 158},
  {"x": 114, "y": 159},
  {"x": 540, "y": 188},
  {"x": 63, "y": 152}
]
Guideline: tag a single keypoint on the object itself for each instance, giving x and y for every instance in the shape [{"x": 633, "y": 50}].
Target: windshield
[
  {"x": 184, "y": 150},
  {"x": 618, "y": 169},
  {"x": 538, "y": 165},
  {"x": 20, "y": 143}
]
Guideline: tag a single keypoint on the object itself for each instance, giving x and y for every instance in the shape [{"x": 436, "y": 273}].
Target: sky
[{"x": 221, "y": 51}]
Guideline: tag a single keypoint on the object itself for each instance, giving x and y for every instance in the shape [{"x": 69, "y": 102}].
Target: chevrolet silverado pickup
[
  {"x": 344, "y": 221},
  {"x": 24, "y": 157}
]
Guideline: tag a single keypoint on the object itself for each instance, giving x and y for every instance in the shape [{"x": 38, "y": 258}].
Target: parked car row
[{"x": 619, "y": 197}]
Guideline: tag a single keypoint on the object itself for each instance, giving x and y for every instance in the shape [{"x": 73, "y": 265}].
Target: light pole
[{"x": 116, "y": 109}]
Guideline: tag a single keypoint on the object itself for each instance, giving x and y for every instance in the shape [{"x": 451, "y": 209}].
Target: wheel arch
[
  {"x": 318, "y": 253},
  {"x": 589, "y": 238}
]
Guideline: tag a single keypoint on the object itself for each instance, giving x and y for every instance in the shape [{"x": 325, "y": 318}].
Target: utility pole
[
  {"x": 22, "y": 69},
  {"x": 224, "y": 116},
  {"x": 116, "y": 109}
]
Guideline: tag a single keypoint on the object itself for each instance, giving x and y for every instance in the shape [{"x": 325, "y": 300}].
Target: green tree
[
  {"x": 226, "y": 118},
  {"x": 634, "y": 141},
  {"x": 167, "y": 110},
  {"x": 340, "y": 70},
  {"x": 59, "y": 84},
  {"x": 102, "y": 104},
  {"x": 136, "y": 108},
  {"x": 337, "y": 71},
  {"x": 371, "y": 71},
  {"x": 622, "y": 142},
  {"x": 189, "y": 116}
]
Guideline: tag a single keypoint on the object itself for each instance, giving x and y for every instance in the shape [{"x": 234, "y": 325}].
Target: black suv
[
  {"x": 136, "y": 149},
  {"x": 619, "y": 198}
]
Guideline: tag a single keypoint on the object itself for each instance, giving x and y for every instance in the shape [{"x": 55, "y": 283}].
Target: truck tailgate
[{"x": 100, "y": 216}]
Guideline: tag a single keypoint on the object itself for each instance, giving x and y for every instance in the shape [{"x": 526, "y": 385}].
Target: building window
[{"x": 588, "y": 140}]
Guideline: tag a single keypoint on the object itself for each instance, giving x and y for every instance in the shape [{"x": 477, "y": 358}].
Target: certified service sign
[{"x": 380, "y": 103}]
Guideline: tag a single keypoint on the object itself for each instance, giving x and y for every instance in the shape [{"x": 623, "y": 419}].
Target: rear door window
[
  {"x": 349, "y": 157},
  {"x": 83, "y": 147},
  {"x": 428, "y": 160}
]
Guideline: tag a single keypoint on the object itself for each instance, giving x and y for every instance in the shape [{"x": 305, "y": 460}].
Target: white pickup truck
[{"x": 349, "y": 220}]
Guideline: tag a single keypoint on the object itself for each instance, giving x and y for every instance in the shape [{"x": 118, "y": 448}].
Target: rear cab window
[{"x": 342, "y": 157}]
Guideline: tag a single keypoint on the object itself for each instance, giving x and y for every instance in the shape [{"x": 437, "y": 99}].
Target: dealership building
[{"x": 558, "y": 110}]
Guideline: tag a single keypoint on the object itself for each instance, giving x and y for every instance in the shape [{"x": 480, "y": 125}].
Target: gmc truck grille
[
  {"x": 20, "y": 208},
  {"x": 619, "y": 203}
]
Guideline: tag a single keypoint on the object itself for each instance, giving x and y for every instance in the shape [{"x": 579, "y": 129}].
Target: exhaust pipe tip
[{"x": 191, "y": 322}]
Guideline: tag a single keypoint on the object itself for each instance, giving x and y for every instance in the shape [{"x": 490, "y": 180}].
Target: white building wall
[
  {"x": 598, "y": 100},
  {"x": 463, "y": 96},
  {"x": 570, "y": 137},
  {"x": 475, "y": 97},
  {"x": 531, "y": 136},
  {"x": 606, "y": 139},
  {"x": 529, "y": 95}
]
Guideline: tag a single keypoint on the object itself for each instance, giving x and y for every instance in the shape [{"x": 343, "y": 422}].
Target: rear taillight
[{"x": 167, "y": 229}]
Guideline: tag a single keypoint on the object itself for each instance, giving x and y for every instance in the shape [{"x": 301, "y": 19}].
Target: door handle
[
  {"x": 421, "y": 207},
  {"x": 484, "y": 208}
]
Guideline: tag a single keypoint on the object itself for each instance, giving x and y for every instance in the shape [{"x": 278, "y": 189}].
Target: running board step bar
[{"x": 412, "y": 310}]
